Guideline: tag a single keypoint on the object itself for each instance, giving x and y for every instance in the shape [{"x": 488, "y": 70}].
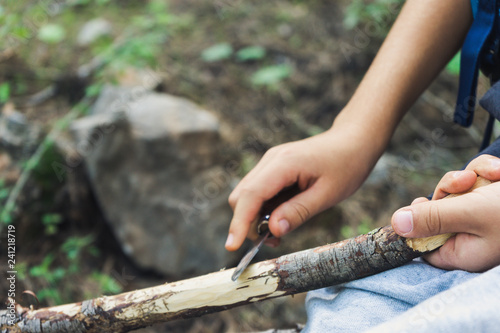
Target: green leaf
[
  {"x": 42, "y": 269},
  {"x": 453, "y": 66},
  {"x": 51, "y": 221},
  {"x": 93, "y": 90},
  {"x": 251, "y": 53},
  {"x": 50, "y": 293},
  {"x": 107, "y": 284},
  {"x": 4, "y": 92},
  {"x": 93, "y": 251},
  {"x": 48, "y": 219},
  {"x": 365, "y": 227},
  {"x": 353, "y": 14},
  {"x": 217, "y": 52},
  {"x": 51, "y": 34},
  {"x": 51, "y": 230},
  {"x": 271, "y": 75},
  {"x": 157, "y": 6},
  {"x": 58, "y": 274},
  {"x": 73, "y": 245},
  {"x": 351, "y": 19},
  {"x": 346, "y": 231},
  {"x": 6, "y": 217}
]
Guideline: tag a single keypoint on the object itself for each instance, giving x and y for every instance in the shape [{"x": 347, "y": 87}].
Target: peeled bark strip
[{"x": 351, "y": 259}]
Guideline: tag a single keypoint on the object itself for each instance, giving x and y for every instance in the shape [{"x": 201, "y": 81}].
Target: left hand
[{"x": 474, "y": 216}]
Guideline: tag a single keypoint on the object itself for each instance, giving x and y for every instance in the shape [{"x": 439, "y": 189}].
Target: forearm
[
  {"x": 424, "y": 37},
  {"x": 331, "y": 166}
]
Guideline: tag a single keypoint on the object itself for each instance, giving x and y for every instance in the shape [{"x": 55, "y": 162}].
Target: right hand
[{"x": 326, "y": 167}]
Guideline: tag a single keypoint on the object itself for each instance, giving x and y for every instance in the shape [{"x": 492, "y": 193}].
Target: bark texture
[
  {"x": 344, "y": 261},
  {"x": 351, "y": 259}
]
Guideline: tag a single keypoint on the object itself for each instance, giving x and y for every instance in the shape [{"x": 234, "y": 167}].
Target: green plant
[
  {"x": 51, "y": 277},
  {"x": 54, "y": 277},
  {"x": 40, "y": 164},
  {"x": 74, "y": 246},
  {"x": 51, "y": 223},
  {"x": 94, "y": 90},
  {"x": 89, "y": 2},
  {"x": 139, "y": 45},
  {"x": 51, "y": 34},
  {"x": 107, "y": 284},
  {"x": 251, "y": 53},
  {"x": 217, "y": 52},
  {"x": 4, "y": 191},
  {"x": 362, "y": 12},
  {"x": 270, "y": 76},
  {"x": 4, "y": 92}
]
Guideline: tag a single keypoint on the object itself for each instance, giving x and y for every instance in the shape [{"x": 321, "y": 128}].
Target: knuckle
[
  {"x": 478, "y": 161},
  {"x": 232, "y": 199},
  {"x": 433, "y": 220},
  {"x": 449, "y": 180},
  {"x": 449, "y": 176},
  {"x": 484, "y": 157},
  {"x": 284, "y": 151},
  {"x": 301, "y": 211},
  {"x": 274, "y": 151}
]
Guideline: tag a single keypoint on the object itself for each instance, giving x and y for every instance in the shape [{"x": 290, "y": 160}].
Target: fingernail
[
  {"x": 284, "y": 226},
  {"x": 403, "y": 221},
  {"x": 230, "y": 239}
]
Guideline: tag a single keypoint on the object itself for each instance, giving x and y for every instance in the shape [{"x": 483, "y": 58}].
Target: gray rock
[
  {"x": 17, "y": 135},
  {"x": 92, "y": 30},
  {"x": 382, "y": 171},
  {"x": 156, "y": 167}
]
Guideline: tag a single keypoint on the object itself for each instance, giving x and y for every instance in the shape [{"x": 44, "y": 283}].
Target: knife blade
[
  {"x": 245, "y": 261},
  {"x": 263, "y": 227}
]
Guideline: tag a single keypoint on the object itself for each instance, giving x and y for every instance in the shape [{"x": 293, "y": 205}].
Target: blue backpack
[{"x": 479, "y": 51}]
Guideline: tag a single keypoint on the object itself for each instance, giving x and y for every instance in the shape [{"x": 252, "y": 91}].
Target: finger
[
  {"x": 257, "y": 176},
  {"x": 465, "y": 252},
  {"x": 454, "y": 182},
  {"x": 248, "y": 183},
  {"x": 419, "y": 200},
  {"x": 245, "y": 211},
  {"x": 247, "y": 202},
  {"x": 486, "y": 166},
  {"x": 444, "y": 257},
  {"x": 439, "y": 216},
  {"x": 273, "y": 242},
  {"x": 294, "y": 212}
]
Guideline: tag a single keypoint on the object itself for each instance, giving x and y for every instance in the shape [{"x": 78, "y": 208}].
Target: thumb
[
  {"x": 433, "y": 217},
  {"x": 294, "y": 212}
]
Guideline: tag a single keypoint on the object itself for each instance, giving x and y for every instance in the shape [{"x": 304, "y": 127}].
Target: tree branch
[
  {"x": 324, "y": 266},
  {"x": 290, "y": 274}
]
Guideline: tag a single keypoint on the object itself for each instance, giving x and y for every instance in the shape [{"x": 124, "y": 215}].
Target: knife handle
[
  {"x": 284, "y": 195},
  {"x": 261, "y": 223},
  {"x": 427, "y": 244}
]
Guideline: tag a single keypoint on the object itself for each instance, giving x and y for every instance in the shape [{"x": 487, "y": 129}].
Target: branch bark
[
  {"x": 324, "y": 266},
  {"x": 294, "y": 273}
]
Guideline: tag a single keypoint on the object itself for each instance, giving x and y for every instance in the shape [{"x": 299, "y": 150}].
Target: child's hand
[
  {"x": 327, "y": 168},
  {"x": 475, "y": 216}
]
